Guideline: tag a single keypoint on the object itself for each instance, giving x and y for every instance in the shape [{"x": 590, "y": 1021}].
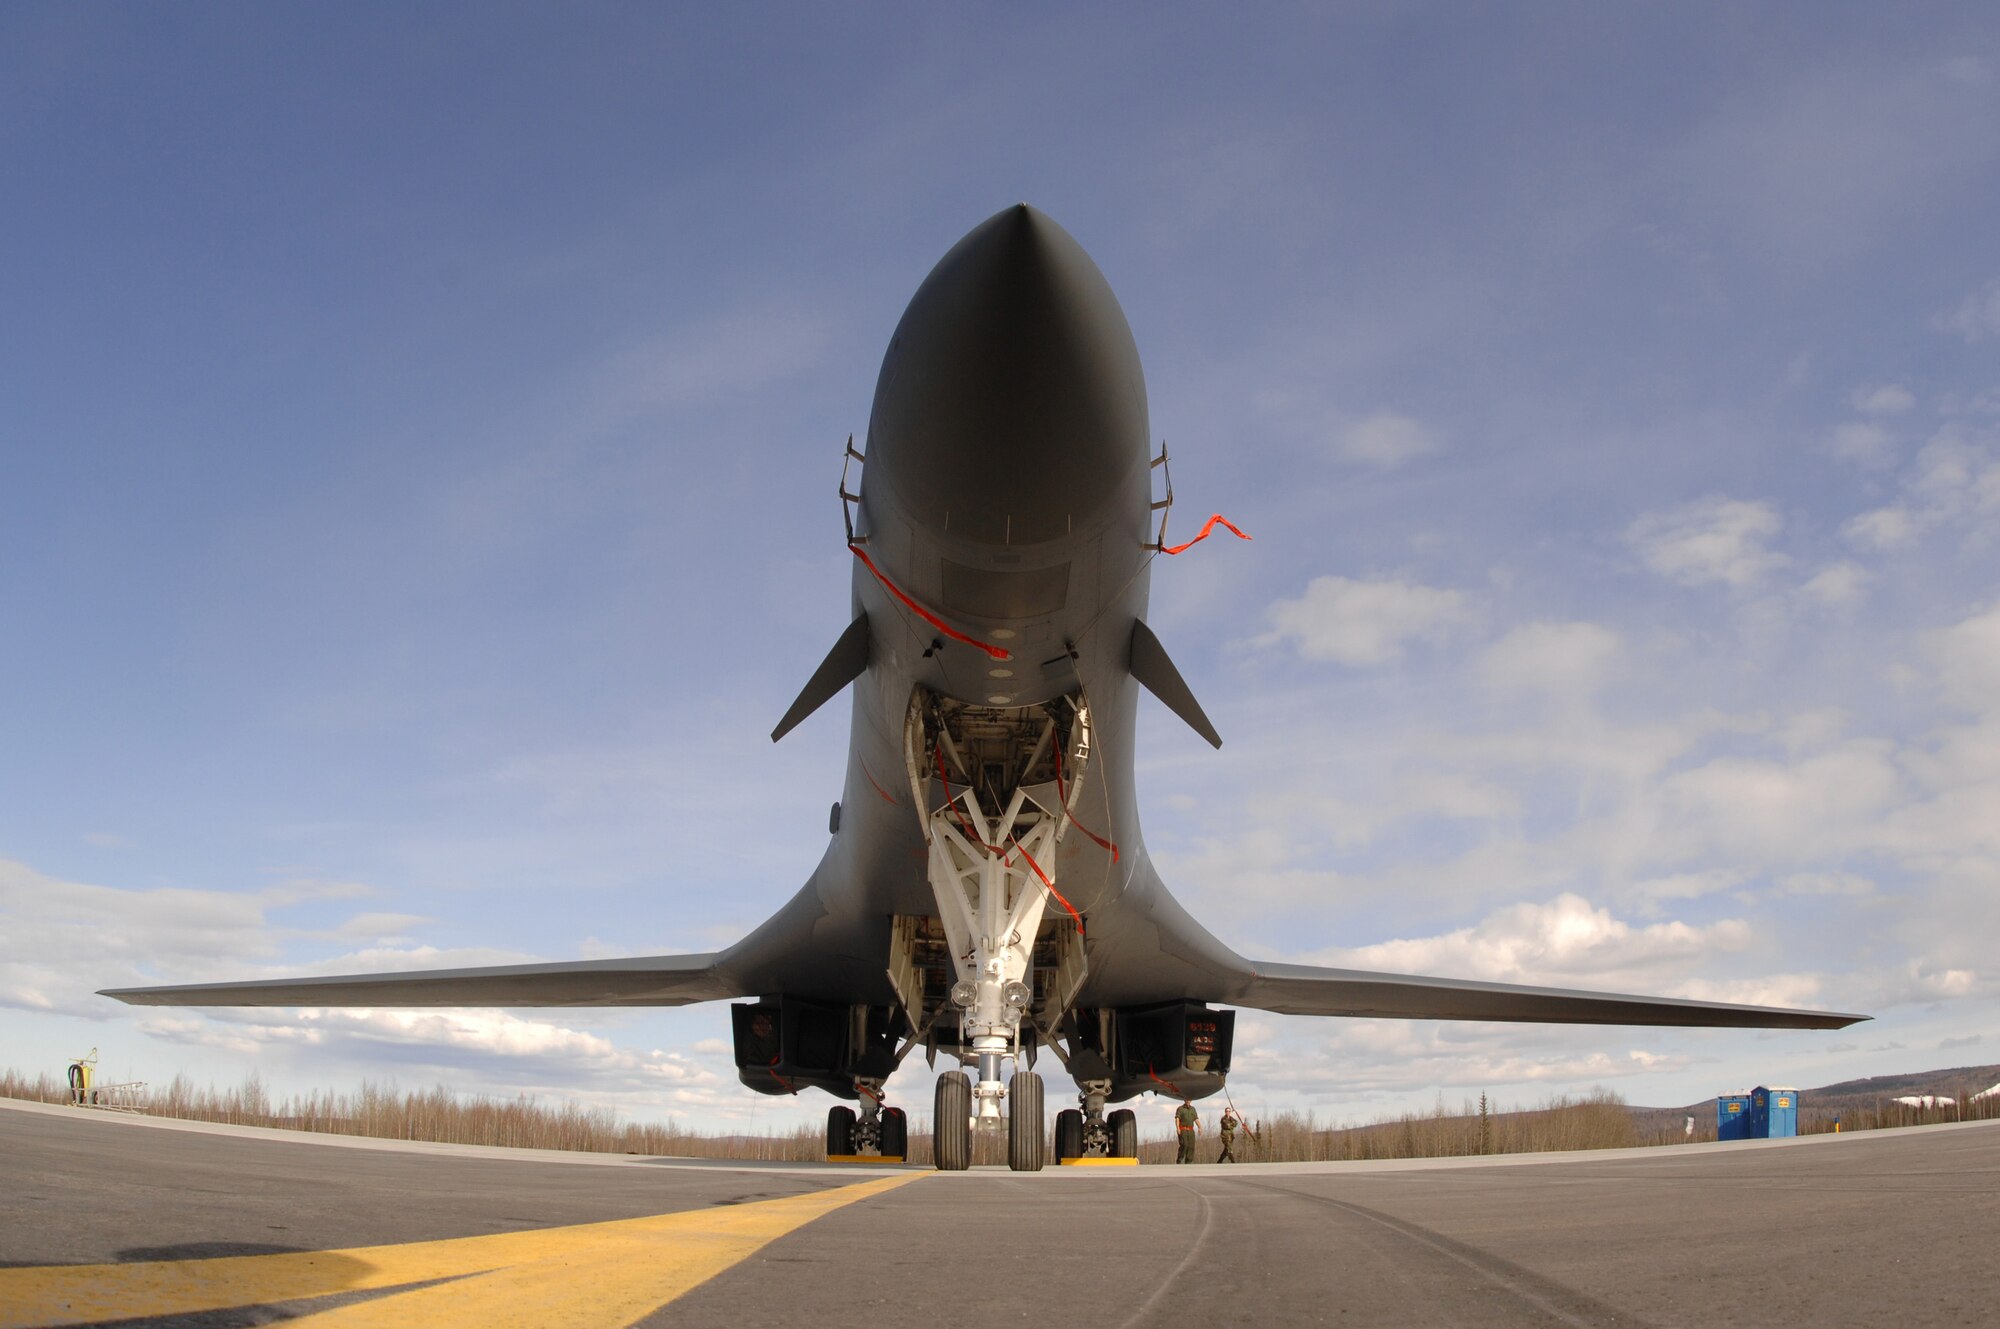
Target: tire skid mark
[
  {"x": 1206, "y": 1224},
  {"x": 1561, "y": 1304}
]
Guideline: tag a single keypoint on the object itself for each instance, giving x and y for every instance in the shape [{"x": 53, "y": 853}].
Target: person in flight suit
[
  {"x": 1228, "y": 1135},
  {"x": 1186, "y": 1123}
]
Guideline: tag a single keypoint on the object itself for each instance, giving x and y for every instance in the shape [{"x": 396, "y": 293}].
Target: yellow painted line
[
  {"x": 588, "y": 1275},
  {"x": 1100, "y": 1162}
]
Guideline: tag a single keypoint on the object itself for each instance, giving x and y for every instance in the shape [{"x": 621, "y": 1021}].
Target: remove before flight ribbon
[
  {"x": 923, "y": 613},
  {"x": 1217, "y": 520}
]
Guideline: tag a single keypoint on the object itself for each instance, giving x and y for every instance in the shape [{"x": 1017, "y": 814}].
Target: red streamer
[
  {"x": 956, "y": 811},
  {"x": 1029, "y": 859},
  {"x": 932, "y": 619},
  {"x": 1062, "y": 797},
  {"x": 1217, "y": 520}
]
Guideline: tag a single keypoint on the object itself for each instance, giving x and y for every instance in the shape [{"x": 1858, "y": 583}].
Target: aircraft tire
[
  {"x": 951, "y": 1123},
  {"x": 1025, "y": 1141},
  {"x": 839, "y": 1131},
  {"x": 1124, "y": 1133},
  {"x": 1069, "y": 1134},
  {"x": 895, "y": 1133}
]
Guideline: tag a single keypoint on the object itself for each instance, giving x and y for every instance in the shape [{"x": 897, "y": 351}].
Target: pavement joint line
[
  {"x": 383, "y": 1144},
  {"x": 583, "y": 1276}
]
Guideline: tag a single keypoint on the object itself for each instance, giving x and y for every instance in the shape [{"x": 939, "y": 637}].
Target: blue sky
[{"x": 418, "y": 436}]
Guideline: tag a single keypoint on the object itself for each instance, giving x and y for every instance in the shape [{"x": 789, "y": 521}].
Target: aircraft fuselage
[{"x": 1007, "y": 491}]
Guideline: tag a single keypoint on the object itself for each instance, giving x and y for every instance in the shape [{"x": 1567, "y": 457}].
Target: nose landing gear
[
  {"x": 1024, "y": 1122},
  {"x": 989, "y": 786},
  {"x": 954, "y": 1121}
]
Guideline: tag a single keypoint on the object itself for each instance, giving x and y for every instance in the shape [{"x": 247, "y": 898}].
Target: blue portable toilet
[
  {"x": 1774, "y": 1113},
  {"x": 1732, "y": 1117}
]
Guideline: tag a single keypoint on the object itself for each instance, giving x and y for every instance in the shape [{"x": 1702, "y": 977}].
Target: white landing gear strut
[
  {"x": 991, "y": 897},
  {"x": 993, "y": 877}
]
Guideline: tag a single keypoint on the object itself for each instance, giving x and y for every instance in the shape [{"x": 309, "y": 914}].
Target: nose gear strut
[{"x": 994, "y": 874}]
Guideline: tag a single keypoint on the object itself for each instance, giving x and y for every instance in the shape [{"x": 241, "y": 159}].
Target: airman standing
[
  {"x": 1186, "y": 1122},
  {"x": 1228, "y": 1135}
]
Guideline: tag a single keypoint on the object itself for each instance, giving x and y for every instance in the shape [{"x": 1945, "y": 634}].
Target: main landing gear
[
  {"x": 1090, "y": 1131},
  {"x": 876, "y": 1130}
]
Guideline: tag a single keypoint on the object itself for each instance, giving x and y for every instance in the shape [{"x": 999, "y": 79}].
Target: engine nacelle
[
  {"x": 786, "y": 1044},
  {"x": 1178, "y": 1048}
]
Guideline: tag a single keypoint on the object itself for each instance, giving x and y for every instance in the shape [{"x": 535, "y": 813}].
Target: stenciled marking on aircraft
[{"x": 577, "y": 1277}]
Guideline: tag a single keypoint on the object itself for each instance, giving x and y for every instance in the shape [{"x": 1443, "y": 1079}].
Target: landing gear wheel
[
  {"x": 839, "y": 1132},
  {"x": 951, "y": 1123},
  {"x": 895, "y": 1133},
  {"x": 1124, "y": 1133},
  {"x": 1024, "y": 1122},
  {"x": 1069, "y": 1135}
]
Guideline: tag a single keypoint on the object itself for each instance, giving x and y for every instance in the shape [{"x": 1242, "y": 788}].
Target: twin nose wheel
[{"x": 952, "y": 1122}]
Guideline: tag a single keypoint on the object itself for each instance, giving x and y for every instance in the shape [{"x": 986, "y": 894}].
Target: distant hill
[
  {"x": 1857, "y": 1104},
  {"x": 1961, "y": 1083}
]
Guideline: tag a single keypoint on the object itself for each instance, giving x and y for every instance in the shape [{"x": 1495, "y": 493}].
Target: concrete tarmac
[{"x": 226, "y": 1226}]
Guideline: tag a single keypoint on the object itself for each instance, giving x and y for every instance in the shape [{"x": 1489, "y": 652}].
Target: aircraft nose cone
[{"x": 1011, "y": 409}]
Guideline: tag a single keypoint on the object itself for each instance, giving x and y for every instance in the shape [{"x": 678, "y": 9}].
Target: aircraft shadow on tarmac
[{"x": 205, "y": 1250}]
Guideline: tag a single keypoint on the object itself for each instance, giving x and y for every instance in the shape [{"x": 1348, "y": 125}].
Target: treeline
[
  {"x": 439, "y": 1116},
  {"x": 1596, "y": 1120},
  {"x": 1599, "y": 1119}
]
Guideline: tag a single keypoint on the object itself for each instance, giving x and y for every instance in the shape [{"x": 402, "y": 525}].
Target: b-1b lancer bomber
[{"x": 987, "y": 895}]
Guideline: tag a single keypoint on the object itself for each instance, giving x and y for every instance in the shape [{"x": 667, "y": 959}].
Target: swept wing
[
  {"x": 1299, "y": 989},
  {"x": 653, "y": 980}
]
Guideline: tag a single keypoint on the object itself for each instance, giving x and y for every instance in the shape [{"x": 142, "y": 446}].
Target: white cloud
[
  {"x": 1386, "y": 440},
  {"x": 1565, "y": 940},
  {"x": 1690, "y": 885},
  {"x": 1826, "y": 883},
  {"x": 379, "y": 926},
  {"x": 1921, "y": 981},
  {"x": 1450, "y": 795},
  {"x": 1713, "y": 540},
  {"x": 1968, "y": 660},
  {"x": 1889, "y": 399},
  {"x": 1977, "y": 316},
  {"x": 1764, "y": 810},
  {"x": 1863, "y": 442},
  {"x": 1954, "y": 479},
  {"x": 1761, "y": 990},
  {"x": 1566, "y": 659},
  {"x": 1884, "y": 528},
  {"x": 61, "y": 941},
  {"x": 1380, "y": 1059},
  {"x": 1811, "y": 731},
  {"x": 1363, "y": 622},
  {"x": 477, "y": 1042},
  {"x": 1948, "y": 469},
  {"x": 1837, "y": 585},
  {"x": 740, "y": 351}
]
